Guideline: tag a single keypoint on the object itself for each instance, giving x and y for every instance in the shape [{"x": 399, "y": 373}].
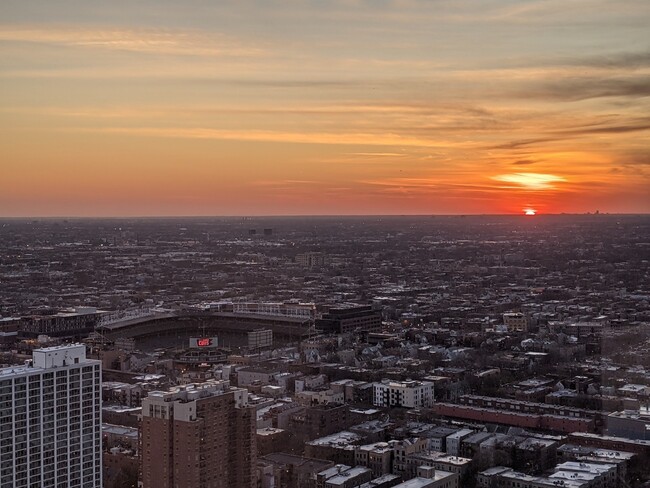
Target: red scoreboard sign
[{"x": 203, "y": 342}]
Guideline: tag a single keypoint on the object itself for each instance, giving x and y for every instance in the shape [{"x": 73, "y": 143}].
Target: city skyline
[{"x": 309, "y": 108}]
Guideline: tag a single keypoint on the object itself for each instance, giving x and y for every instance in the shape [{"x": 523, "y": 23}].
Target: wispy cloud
[
  {"x": 632, "y": 126},
  {"x": 378, "y": 154},
  {"x": 617, "y": 60},
  {"x": 526, "y": 142},
  {"x": 342, "y": 138},
  {"x": 575, "y": 89},
  {"x": 151, "y": 41},
  {"x": 283, "y": 182}
]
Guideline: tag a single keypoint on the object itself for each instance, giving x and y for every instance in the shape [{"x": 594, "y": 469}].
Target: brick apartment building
[{"x": 199, "y": 436}]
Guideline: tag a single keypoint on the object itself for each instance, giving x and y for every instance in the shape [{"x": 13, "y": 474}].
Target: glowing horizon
[{"x": 324, "y": 108}]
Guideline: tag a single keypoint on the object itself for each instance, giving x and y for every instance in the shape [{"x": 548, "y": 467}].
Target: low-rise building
[
  {"x": 431, "y": 478},
  {"x": 290, "y": 471},
  {"x": 568, "y": 475},
  {"x": 378, "y": 457},
  {"x": 408, "y": 394},
  {"x": 320, "y": 397},
  {"x": 339, "y": 448},
  {"x": 454, "y": 440},
  {"x": 631, "y": 424},
  {"x": 515, "y": 321},
  {"x": 342, "y": 476},
  {"x": 403, "y": 450}
]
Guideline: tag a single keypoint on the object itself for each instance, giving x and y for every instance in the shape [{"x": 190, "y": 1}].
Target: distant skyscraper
[
  {"x": 199, "y": 436},
  {"x": 50, "y": 421}
]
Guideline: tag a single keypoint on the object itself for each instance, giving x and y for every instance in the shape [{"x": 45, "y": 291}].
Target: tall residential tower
[{"x": 50, "y": 421}]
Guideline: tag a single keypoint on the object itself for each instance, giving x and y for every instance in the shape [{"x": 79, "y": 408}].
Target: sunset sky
[{"x": 143, "y": 107}]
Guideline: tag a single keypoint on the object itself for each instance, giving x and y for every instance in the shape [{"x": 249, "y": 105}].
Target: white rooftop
[
  {"x": 343, "y": 439},
  {"x": 48, "y": 358},
  {"x": 424, "y": 482}
]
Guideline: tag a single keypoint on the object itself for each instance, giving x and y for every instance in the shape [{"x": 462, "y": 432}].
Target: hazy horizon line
[{"x": 251, "y": 216}]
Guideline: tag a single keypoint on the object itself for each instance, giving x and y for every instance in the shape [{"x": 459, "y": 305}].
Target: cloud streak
[
  {"x": 577, "y": 89},
  {"x": 346, "y": 138},
  {"x": 150, "y": 41}
]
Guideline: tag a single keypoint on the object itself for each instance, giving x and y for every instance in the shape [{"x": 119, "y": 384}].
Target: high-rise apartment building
[
  {"x": 50, "y": 421},
  {"x": 199, "y": 436}
]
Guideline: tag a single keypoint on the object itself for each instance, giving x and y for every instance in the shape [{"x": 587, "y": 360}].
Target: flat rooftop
[
  {"x": 120, "y": 430},
  {"x": 284, "y": 458},
  {"x": 424, "y": 482},
  {"x": 343, "y": 439}
]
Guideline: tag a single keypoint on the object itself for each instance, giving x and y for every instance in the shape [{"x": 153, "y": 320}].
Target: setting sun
[{"x": 530, "y": 212}]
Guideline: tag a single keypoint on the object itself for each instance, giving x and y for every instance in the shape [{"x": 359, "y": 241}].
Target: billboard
[{"x": 201, "y": 342}]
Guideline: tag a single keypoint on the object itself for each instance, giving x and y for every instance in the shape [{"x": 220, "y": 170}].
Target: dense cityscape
[
  {"x": 324, "y": 244},
  {"x": 326, "y": 352}
]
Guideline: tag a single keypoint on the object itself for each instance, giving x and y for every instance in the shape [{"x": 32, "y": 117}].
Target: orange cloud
[{"x": 531, "y": 181}]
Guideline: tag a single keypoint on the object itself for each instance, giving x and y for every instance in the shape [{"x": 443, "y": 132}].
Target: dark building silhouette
[{"x": 344, "y": 320}]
